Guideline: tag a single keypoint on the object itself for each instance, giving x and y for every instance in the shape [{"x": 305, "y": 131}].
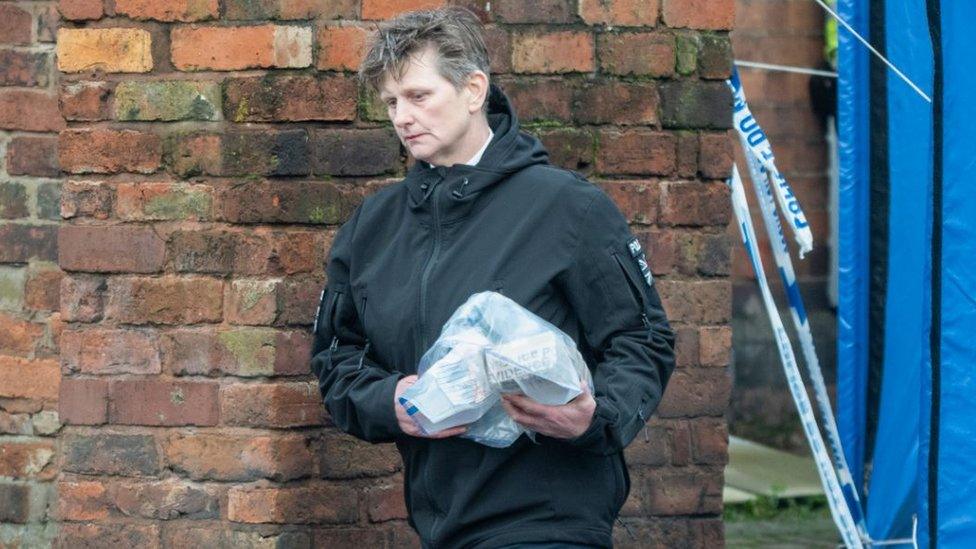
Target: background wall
[{"x": 207, "y": 151}]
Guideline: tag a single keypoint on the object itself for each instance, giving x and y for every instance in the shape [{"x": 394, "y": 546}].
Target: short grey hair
[{"x": 454, "y": 32}]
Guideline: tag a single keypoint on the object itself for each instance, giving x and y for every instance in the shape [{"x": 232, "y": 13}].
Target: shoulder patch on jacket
[{"x": 638, "y": 255}]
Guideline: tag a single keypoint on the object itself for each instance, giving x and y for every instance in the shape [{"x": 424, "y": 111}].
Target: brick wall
[
  {"x": 788, "y": 32},
  {"x": 208, "y": 151}
]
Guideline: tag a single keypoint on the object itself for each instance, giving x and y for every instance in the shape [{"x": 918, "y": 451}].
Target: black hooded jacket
[{"x": 546, "y": 238}]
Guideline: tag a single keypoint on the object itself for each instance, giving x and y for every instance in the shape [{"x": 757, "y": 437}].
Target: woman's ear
[{"x": 477, "y": 89}]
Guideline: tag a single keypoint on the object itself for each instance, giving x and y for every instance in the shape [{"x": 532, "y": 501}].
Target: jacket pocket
[{"x": 633, "y": 285}]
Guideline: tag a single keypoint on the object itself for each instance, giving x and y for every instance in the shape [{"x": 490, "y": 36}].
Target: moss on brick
[
  {"x": 180, "y": 204},
  {"x": 167, "y": 100},
  {"x": 253, "y": 348},
  {"x": 686, "y": 53}
]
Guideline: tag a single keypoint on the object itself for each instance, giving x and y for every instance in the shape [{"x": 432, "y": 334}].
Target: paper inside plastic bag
[{"x": 492, "y": 345}]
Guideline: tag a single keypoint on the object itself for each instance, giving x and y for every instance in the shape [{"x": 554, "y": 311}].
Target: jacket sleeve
[
  {"x": 357, "y": 391},
  {"x": 610, "y": 287}
]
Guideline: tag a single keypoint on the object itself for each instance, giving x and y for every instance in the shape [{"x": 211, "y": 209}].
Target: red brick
[
  {"x": 109, "y": 351},
  {"x": 275, "y": 201},
  {"x": 386, "y": 9},
  {"x": 15, "y": 24},
  {"x": 230, "y": 457},
  {"x": 109, "y": 151},
  {"x": 24, "y": 68},
  {"x": 687, "y": 154},
  {"x": 612, "y": 102},
  {"x": 48, "y": 21},
  {"x": 167, "y": 300},
  {"x": 637, "y": 151},
  {"x": 659, "y": 247},
  {"x": 109, "y": 454},
  {"x": 267, "y": 152},
  {"x": 158, "y": 402},
  {"x": 716, "y": 346},
  {"x": 252, "y": 302},
  {"x": 708, "y": 301},
  {"x": 83, "y": 500},
  {"x": 386, "y": 503},
  {"x": 343, "y": 456},
  {"x": 240, "y": 251},
  {"x": 553, "y": 52},
  {"x": 637, "y": 199},
  {"x": 169, "y": 499},
  {"x": 686, "y": 347},
  {"x": 82, "y": 298},
  {"x": 33, "y": 155},
  {"x": 86, "y": 199},
  {"x": 298, "y": 299},
  {"x": 81, "y": 535},
  {"x": 678, "y": 492},
  {"x": 679, "y": 434},
  {"x": 88, "y": 101},
  {"x": 83, "y": 401},
  {"x": 28, "y": 460},
  {"x": 245, "y": 352},
  {"x": 323, "y": 503},
  {"x": 171, "y": 10},
  {"x": 271, "y": 405},
  {"x": 114, "y": 249},
  {"x": 704, "y": 254},
  {"x": 157, "y": 201},
  {"x": 341, "y": 47},
  {"x": 637, "y": 53},
  {"x": 715, "y": 156},
  {"x": 318, "y": 9},
  {"x": 542, "y": 11},
  {"x": 695, "y": 204},
  {"x": 625, "y": 13},
  {"x": 499, "y": 43},
  {"x": 699, "y": 14},
  {"x": 18, "y": 336},
  {"x": 75, "y": 10},
  {"x": 29, "y": 110},
  {"x": 341, "y": 151},
  {"x": 651, "y": 451},
  {"x": 540, "y": 99},
  {"x": 43, "y": 290},
  {"x": 29, "y": 378},
  {"x": 569, "y": 148},
  {"x": 696, "y": 392},
  {"x": 290, "y": 98},
  {"x": 710, "y": 441},
  {"x": 352, "y": 537},
  {"x": 237, "y": 48}
]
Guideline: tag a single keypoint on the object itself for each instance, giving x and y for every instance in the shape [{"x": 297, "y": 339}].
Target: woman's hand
[
  {"x": 567, "y": 421},
  {"x": 407, "y": 425}
]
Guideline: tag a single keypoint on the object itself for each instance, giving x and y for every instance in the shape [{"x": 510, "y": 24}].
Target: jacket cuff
[
  {"x": 595, "y": 437},
  {"x": 386, "y": 414}
]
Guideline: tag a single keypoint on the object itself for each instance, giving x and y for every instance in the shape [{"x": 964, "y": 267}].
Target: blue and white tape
[
  {"x": 828, "y": 477},
  {"x": 755, "y": 140}
]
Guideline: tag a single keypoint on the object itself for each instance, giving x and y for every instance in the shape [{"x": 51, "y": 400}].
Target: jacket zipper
[
  {"x": 366, "y": 347},
  {"x": 428, "y": 267}
]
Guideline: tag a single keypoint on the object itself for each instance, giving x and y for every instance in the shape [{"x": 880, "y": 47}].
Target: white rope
[
  {"x": 784, "y": 68},
  {"x": 874, "y": 51}
]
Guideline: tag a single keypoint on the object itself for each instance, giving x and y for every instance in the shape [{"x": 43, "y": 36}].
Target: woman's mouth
[{"x": 415, "y": 136}]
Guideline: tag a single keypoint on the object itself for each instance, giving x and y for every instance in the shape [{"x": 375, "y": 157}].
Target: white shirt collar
[{"x": 477, "y": 157}]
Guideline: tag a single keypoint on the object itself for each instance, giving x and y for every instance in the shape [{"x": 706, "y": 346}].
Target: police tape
[
  {"x": 828, "y": 477},
  {"x": 755, "y": 140},
  {"x": 781, "y": 255}
]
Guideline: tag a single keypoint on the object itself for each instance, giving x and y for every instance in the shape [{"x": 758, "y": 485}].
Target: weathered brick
[
  {"x": 110, "y": 454},
  {"x": 159, "y": 402},
  {"x": 637, "y": 151},
  {"x": 613, "y": 102},
  {"x": 279, "y": 405},
  {"x": 540, "y": 99},
  {"x": 42, "y": 291},
  {"x": 354, "y": 151},
  {"x": 75, "y": 10},
  {"x": 386, "y": 502},
  {"x": 637, "y": 53},
  {"x": 270, "y": 201},
  {"x": 318, "y": 9},
  {"x": 343, "y": 456},
  {"x": 49, "y": 200},
  {"x": 158, "y": 201},
  {"x": 686, "y": 203},
  {"x": 710, "y": 441},
  {"x": 33, "y": 155},
  {"x": 82, "y": 298},
  {"x": 298, "y": 299},
  {"x": 83, "y": 500},
  {"x": 111, "y": 249},
  {"x": 569, "y": 148},
  {"x": 341, "y": 47},
  {"x": 716, "y": 346},
  {"x": 12, "y": 287},
  {"x": 706, "y": 301},
  {"x": 95, "y": 535},
  {"x": 193, "y": 153},
  {"x": 167, "y": 500},
  {"x": 28, "y": 460},
  {"x": 109, "y": 151},
  {"x": 228, "y": 457},
  {"x": 15, "y": 24},
  {"x": 715, "y": 57},
  {"x": 167, "y": 100},
  {"x": 699, "y": 14},
  {"x": 48, "y": 21},
  {"x": 354, "y": 537},
  {"x": 636, "y": 199},
  {"x": 110, "y": 351},
  {"x": 172, "y": 10},
  {"x": 625, "y": 13},
  {"x": 87, "y": 101},
  {"x": 13, "y": 201},
  {"x": 659, "y": 248},
  {"x": 251, "y": 10},
  {"x": 238, "y": 48},
  {"x": 715, "y": 155},
  {"x": 696, "y": 392},
  {"x": 29, "y": 378},
  {"x": 18, "y": 336},
  {"x": 295, "y": 98},
  {"x": 23, "y": 68},
  {"x": 693, "y": 104},
  {"x": 649, "y": 448},
  {"x": 15, "y": 424},
  {"x": 245, "y": 352},
  {"x": 167, "y": 300},
  {"x": 679, "y": 434},
  {"x": 705, "y": 254},
  {"x": 677, "y": 492},
  {"x": 386, "y": 9},
  {"x": 687, "y": 155},
  {"x": 543, "y": 11},
  {"x": 553, "y": 52},
  {"x": 30, "y": 110},
  {"x": 83, "y": 401},
  {"x": 252, "y": 302},
  {"x": 265, "y": 152},
  {"x": 221, "y": 251},
  {"x": 323, "y": 503},
  {"x": 86, "y": 199},
  {"x": 686, "y": 46},
  {"x": 499, "y": 43},
  {"x": 104, "y": 49},
  {"x": 14, "y": 502}
]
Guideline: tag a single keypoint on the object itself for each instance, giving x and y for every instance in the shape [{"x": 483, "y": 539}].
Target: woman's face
[{"x": 432, "y": 118}]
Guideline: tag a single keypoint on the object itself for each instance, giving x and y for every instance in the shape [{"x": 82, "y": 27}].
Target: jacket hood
[{"x": 509, "y": 151}]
